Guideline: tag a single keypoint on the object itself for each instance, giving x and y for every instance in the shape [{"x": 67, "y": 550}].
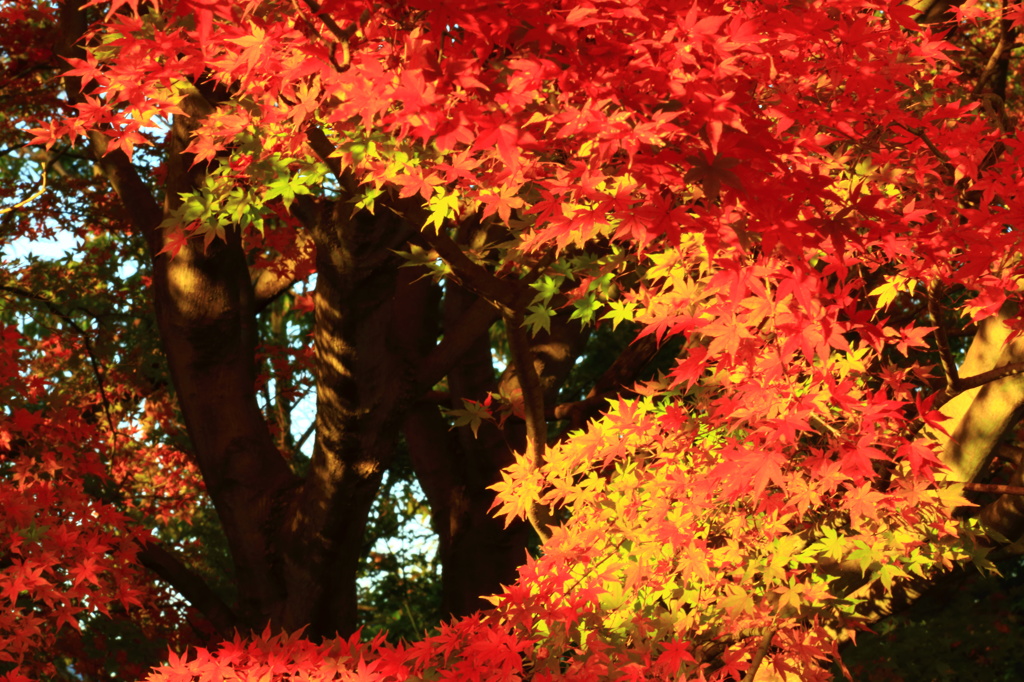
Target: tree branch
[
  {"x": 996, "y": 488},
  {"x": 305, "y": 436},
  {"x": 193, "y": 588},
  {"x": 998, "y": 60},
  {"x": 323, "y": 148},
  {"x": 456, "y": 342},
  {"x": 1007, "y": 370},
  {"x": 30, "y": 198},
  {"x": 932, "y": 11},
  {"x": 86, "y": 341},
  {"x": 270, "y": 282},
  {"x": 533, "y": 407},
  {"x": 339, "y": 33},
  {"x": 169, "y": 568},
  {"x": 759, "y": 654},
  {"x": 942, "y": 340},
  {"x": 1011, "y": 453},
  {"x": 578, "y": 409},
  {"x": 343, "y": 35},
  {"x": 622, "y": 372},
  {"x": 267, "y": 287},
  {"x": 1004, "y": 515},
  {"x": 502, "y": 293},
  {"x": 143, "y": 210},
  {"x": 627, "y": 366}
]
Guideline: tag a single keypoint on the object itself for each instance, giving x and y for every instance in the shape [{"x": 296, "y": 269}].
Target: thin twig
[
  {"x": 920, "y": 133},
  {"x": 35, "y": 195},
  {"x": 305, "y": 436},
  {"x": 942, "y": 340},
  {"x": 86, "y": 341}
]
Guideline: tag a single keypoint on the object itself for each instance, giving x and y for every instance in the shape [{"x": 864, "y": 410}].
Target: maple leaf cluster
[
  {"x": 71, "y": 563},
  {"x": 774, "y": 191}
]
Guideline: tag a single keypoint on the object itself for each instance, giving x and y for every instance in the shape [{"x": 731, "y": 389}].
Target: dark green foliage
[
  {"x": 969, "y": 628},
  {"x": 400, "y": 580}
]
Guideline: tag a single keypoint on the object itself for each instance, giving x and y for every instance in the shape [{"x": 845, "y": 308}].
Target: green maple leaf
[
  {"x": 547, "y": 286},
  {"x": 586, "y": 308},
  {"x": 539, "y": 318},
  {"x": 621, "y": 311},
  {"x": 472, "y": 415},
  {"x": 442, "y": 206}
]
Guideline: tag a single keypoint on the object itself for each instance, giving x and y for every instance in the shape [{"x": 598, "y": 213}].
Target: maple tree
[{"x": 750, "y": 269}]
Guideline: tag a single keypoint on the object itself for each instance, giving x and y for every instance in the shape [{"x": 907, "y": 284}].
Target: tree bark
[
  {"x": 366, "y": 311},
  {"x": 205, "y": 311},
  {"x": 478, "y": 553}
]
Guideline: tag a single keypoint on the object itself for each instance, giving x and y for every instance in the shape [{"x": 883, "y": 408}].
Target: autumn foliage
[{"x": 804, "y": 216}]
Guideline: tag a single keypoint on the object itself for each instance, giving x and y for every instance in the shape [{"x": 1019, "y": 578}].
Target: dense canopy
[{"x": 690, "y": 328}]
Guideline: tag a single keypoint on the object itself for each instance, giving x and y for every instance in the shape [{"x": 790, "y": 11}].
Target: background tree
[{"x": 467, "y": 233}]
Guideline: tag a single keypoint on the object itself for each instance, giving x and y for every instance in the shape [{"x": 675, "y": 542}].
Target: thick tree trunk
[
  {"x": 478, "y": 554},
  {"x": 367, "y": 311},
  {"x": 296, "y": 545},
  {"x": 205, "y": 309}
]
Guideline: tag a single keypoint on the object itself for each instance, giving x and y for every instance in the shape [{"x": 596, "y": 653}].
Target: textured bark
[
  {"x": 478, "y": 554},
  {"x": 367, "y": 309},
  {"x": 934, "y": 11},
  {"x": 979, "y": 416},
  {"x": 206, "y": 311},
  {"x": 204, "y": 308},
  {"x": 166, "y": 565},
  {"x": 296, "y": 544},
  {"x": 1005, "y": 515}
]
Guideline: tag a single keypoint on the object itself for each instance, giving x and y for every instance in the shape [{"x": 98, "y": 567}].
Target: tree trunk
[
  {"x": 369, "y": 313},
  {"x": 478, "y": 553}
]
